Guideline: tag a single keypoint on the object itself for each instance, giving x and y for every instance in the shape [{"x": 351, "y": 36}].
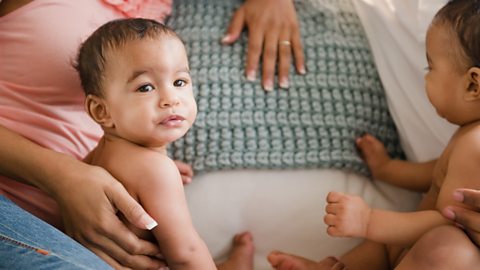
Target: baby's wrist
[{"x": 368, "y": 222}]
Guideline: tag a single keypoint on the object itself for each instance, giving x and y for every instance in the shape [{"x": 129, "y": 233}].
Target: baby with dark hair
[
  {"x": 136, "y": 77},
  {"x": 417, "y": 240}
]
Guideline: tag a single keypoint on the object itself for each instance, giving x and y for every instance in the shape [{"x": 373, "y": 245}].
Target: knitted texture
[{"x": 313, "y": 124}]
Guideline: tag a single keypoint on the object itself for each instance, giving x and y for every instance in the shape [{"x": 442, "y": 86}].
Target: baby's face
[
  {"x": 444, "y": 80},
  {"x": 148, "y": 91}
]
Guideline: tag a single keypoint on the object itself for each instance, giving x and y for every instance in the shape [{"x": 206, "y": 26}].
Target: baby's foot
[
  {"x": 373, "y": 152},
  {"x": 241, "y": 256},
  {"x": 283, "y": 261}
]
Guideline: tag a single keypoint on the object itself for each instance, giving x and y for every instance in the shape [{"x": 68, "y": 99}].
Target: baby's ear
[
  {"x": 473, "y": 88},
  {"x": 97, "y": 109}
]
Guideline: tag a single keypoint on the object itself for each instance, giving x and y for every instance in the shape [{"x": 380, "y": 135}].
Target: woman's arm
[
  {"x": 88, "y": 197},
  {"x": 273, "y": 35},
  {"x": 7, "y": 6}
]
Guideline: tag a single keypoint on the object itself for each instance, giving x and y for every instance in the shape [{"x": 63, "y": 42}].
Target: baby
[
  {"x": 453, "y": 88},
  {"x": 136, "y": 77}
]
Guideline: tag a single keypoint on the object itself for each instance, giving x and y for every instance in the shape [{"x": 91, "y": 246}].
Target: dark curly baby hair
[
  {"x": 90, "y": 62},
  {"x": 463, "y": 16}
]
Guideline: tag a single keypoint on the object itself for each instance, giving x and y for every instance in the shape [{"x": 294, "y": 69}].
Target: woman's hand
[
  {"x": 468, "y": 214},
  {"x": 89, "y": 203},
  {"x": 273, "y": 34}
]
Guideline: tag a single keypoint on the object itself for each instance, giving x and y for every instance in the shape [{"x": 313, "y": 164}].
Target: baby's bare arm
[
  {"x": 402, "y": 228},
  {"x": 409, "y": 175},
  {"x": 154, "y": 180},
  {"x": 160, "y": 191},
  {"x": 350, "y": 216}
]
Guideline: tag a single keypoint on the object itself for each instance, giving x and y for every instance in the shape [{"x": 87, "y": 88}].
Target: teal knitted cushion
[{"x": 313, "y": 124}]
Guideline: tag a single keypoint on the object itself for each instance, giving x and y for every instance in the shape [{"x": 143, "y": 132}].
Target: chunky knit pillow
[{"x": 313, "y": 124}]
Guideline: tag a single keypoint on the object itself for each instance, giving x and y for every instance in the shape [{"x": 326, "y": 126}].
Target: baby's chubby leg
[
  {"x": 283, "y": 261},
  {"x": 367, "y": 255},
  {"x": 445, "y": 247}
]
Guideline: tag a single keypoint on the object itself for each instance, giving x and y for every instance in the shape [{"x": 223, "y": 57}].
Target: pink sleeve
[{"x": 151, "y": 9}]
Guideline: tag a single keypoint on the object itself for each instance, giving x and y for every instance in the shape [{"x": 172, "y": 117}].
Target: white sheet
[{"x": 284, "y": 209}]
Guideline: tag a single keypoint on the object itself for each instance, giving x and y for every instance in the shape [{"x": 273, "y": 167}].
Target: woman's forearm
[{"x": 28, "y": 162}]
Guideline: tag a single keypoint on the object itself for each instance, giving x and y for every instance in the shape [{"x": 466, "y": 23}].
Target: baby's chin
[{"x": 165, "y": 141}]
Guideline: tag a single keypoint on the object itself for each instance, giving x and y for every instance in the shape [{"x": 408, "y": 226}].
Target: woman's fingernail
[
  {"x": 458, "y": 196},
  {"x": 149, "y": 222},
  {"x": 284, "y": 83},
  {"x": 268, "y": 85},
  {"x": 226, "y": 38},
  {"x": 251, "y": 75},
  {"x": 448, "y": 213},
  {"x": 302, "y": 70}
]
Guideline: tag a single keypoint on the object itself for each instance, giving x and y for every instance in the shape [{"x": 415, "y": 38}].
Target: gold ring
[{"x": 284, "y": 43}]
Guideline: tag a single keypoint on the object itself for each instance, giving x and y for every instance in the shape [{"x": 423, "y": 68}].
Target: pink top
[{"x": 40, "y": 92}]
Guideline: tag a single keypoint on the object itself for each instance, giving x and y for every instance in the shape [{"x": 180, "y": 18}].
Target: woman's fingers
[
  {"x": 269, "y": 60},
  {"x": 235, "y": 28},
  {"x": 274, "y": 37},
  {"x": 129, "y": 261},
  {"x": 130, "y": 208},
  {"x": 284, "y": 60},
  {"x": 118, "y": 234},
  {"x": 468, "y": 216},
  {"x": 469, "y": 219},
  {"x": 297, "y": 48},
  {"x": 186, "y": 171},
  {"x": 254, "y": 51},
  {"x": 470, "y": 197},
  {"x": 90, "y": 207}
]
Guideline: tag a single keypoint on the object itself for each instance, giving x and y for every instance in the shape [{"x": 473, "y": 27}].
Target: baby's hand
[
  {"x": 374, "y": 153},
  {"x": 185, "y": 170},
  {"x": 347, "y": 215}
]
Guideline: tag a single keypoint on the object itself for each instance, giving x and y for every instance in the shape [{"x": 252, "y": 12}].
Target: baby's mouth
[{"x": 172, "y": 120}]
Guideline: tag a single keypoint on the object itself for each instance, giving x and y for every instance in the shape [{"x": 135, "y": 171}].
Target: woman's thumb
[{"x": 132, "y": 210}]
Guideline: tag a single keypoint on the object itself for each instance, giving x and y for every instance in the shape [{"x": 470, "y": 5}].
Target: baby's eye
[
  {"x": 179, "y": 83},
  {"x": 146, "y": 88}
]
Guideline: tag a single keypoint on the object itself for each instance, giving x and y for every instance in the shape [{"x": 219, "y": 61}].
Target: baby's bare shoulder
[
  {"x": 132, "y": 164},
  {"x": 467, "y": 142},
  {"x": 463, "y": 153}
]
